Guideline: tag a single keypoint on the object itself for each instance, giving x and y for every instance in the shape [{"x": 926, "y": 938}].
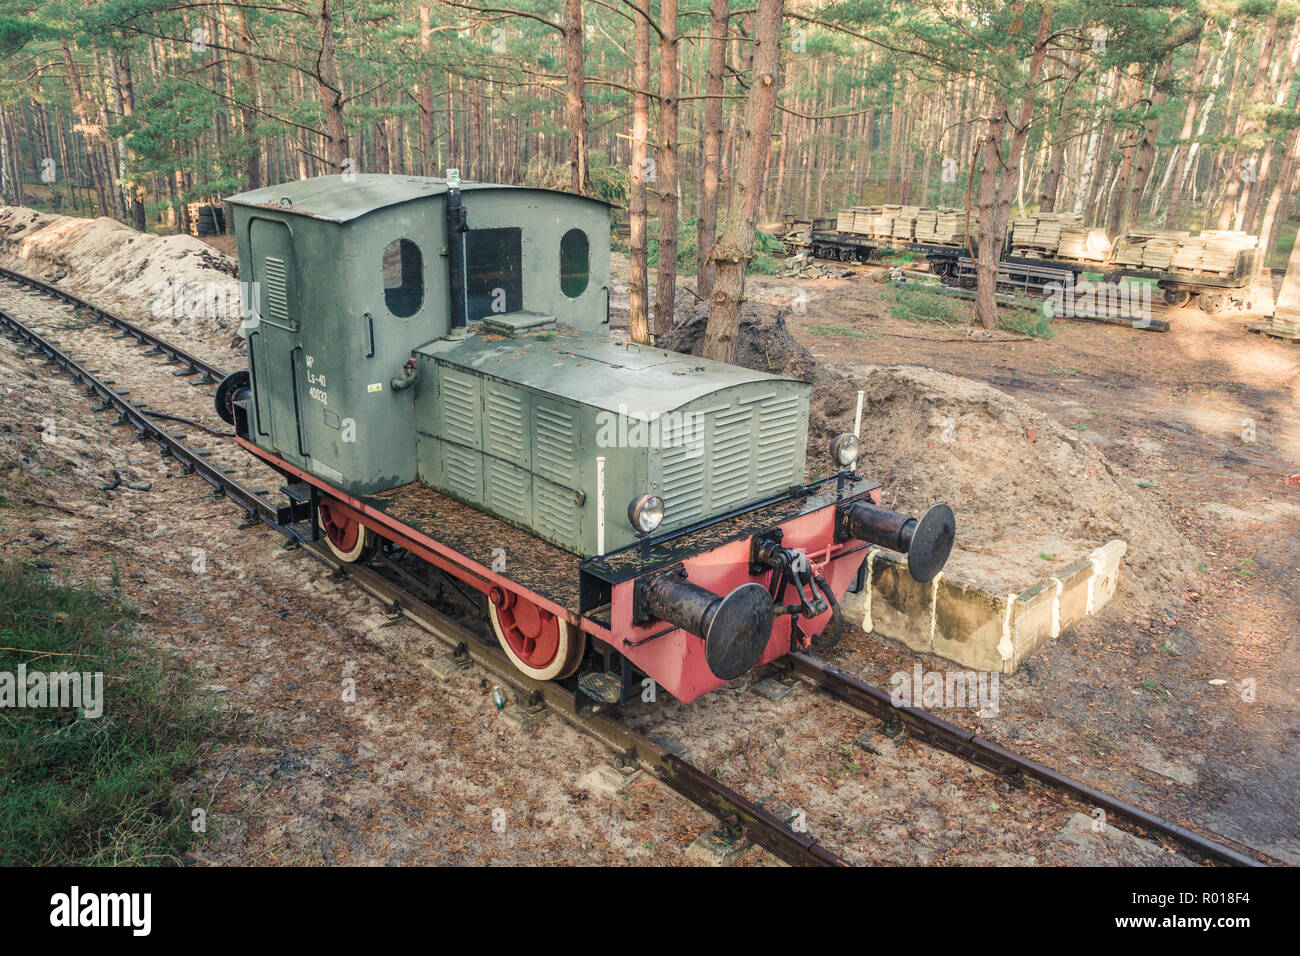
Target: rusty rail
[{"x": 997, "y": 759}]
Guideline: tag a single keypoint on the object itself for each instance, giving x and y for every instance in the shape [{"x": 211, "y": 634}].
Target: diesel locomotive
[{"x": 430, "y": 368}]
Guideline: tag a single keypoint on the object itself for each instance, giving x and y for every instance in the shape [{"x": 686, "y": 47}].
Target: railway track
[{"x": 733, "y": 808}]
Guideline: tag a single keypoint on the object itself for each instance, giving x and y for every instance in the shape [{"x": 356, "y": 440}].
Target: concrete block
[
  {"x": 968, "y": 624},
  {"x": 1033, "y": 618},
  {"x": 448, "y": 664},
  {"x": 606, "y": 779},
  {"x": 973, "y": 625},
  {"x": 718, "y": 848},
  {"x": 856, "y": 607},
  {"x": 523, "y": 718},
  {"x": 1106, "y": 563},
  {"x": 777, "y": 688},
  {"x": 901, "y": 608},
  {"x": 1072, "y": 600}
]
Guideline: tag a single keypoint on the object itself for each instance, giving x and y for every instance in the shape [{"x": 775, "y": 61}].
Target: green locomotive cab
[{"x": 404, "y": 330}]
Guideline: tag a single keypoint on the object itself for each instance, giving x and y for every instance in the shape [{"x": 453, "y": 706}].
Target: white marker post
[
  {"x": 857, "y": 429},
  {"x": 600, "y": 505}
]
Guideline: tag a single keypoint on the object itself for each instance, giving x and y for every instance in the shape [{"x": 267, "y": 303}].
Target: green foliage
[
  {"x": 843, "y": 332},
  {"x": 90, "y": 791},
  {"x": 918, "y": 303},
  {"x": 686, "y": 249},
  {"x": 1027, "y": 319},
  {"x": 766, "y": 249}
]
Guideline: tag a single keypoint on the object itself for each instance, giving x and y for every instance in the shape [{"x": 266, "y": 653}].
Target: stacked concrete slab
[{"x": 976, "y": 626}]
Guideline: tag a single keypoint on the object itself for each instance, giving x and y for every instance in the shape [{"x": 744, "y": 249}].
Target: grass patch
[
  {"x": 924, "y": 304},
  {"x": 92, "y": 791},
  {"x": 843, "y": 331},
  {"x": 1027, "y": 320}
]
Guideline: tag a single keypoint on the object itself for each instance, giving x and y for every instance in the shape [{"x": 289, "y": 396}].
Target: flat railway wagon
[
  {"x": 1212, "y": 292},
  {"x": 430, "y": 367}
]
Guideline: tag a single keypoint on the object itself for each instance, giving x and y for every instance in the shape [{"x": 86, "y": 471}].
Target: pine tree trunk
[
  {"x": 637, "y": 241},
  {"x": 734, "y": 250},
  {"x": 126, "y": 94},
  {"x": 707, "y": 217},
  {"x": 87, "y": 137},
  {"x": 669, "y": 81},
  {"x": 331, "y": 91},
  {"x": 1000, "y": 177},
  {"x": 575, "y": 110},
  {"x": 1280, "y": 84},
  {"x": 248, "y": 118},
  {"x": 1275, "y": 211},
  {"x": 1244, "y": 125}
]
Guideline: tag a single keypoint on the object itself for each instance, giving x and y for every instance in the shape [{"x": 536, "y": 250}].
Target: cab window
[
  {"x": 403, "y": 278},
  {"x": 575, "y": 263}
]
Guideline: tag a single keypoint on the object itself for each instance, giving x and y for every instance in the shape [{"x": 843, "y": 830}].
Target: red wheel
[
  {"x": 350, "y": 540},
  {"x": 537, "y": 642}
]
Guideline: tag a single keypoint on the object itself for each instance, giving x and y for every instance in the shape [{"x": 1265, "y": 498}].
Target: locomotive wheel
[
  {"x": 1212, "y": 302},
  {"x": 543, "y": 646},
  {"x": 349, "y": 540},
  {"x": 1177, "y": 298},
  {"x": 846, "y": 255}
]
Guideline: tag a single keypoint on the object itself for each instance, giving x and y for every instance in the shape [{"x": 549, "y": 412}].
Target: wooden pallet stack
[
  {"x": 1149, "y": 248},
  {"x": 926, "y": 221},
  {"x": 950, "y": 227},
  {"x": 1214, "y": 251},
  {"x": 882, "y": 224},
  {"x": 1040, "y": 232},
  {"x": 1221, "y": 249},
  {"x": 945, "y": 225},
  {"x": 905, "y": 222},
  {"x": 1085, "y": 245}
]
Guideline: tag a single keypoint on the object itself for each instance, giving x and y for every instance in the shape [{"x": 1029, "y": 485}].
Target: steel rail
[
  {"x": 713, "y": 796},
  {"x": 211, "y": 374},
  {"x": 995, "y": 758}
]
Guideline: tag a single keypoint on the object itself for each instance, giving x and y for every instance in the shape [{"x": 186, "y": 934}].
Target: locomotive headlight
[
  {"x": 646, "y": 513},
  {"x": 844, "y": 449}
]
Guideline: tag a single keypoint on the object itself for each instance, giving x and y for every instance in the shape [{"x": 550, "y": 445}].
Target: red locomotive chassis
[{"x": 640, "y": 601}]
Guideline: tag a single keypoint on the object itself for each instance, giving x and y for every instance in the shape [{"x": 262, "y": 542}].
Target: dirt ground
[{"x": 413, "y": 771}]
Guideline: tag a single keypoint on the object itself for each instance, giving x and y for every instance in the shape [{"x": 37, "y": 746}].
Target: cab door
[{"x": 275, "y": 355}]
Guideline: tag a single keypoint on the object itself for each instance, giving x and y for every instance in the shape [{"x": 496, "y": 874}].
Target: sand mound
[
  {"x": 174, "y": 279},
  {"x": 1024, "y": 487},
  {"x": 765, "y": 342}
]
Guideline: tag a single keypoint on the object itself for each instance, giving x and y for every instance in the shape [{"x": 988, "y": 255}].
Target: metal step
[{"x": 299, "y": 506}]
